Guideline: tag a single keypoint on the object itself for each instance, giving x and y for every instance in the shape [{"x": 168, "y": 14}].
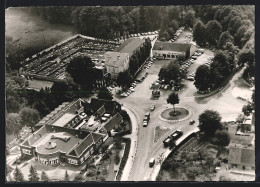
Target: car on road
[
  {"x": 123, "y": 95},
  {"x": 176, "y": 135},
  {"x": 194, "y": 57},
  {"x": 166, "y": 87},
  {"x": 145, "y": 123},
  {"x": 192, "y": 122},
  {"x": 151, "y": 162},
  {"x": 152, "y": 108}
]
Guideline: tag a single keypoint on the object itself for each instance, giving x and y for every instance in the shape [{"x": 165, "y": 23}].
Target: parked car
[
  {"x": 152, "y": 107},
  {"x": 132, "y": 89},
  {"x": 176, "y": 135},
  {"x": 192, "y": 122},
  {"x": 190, "y": 78},
  {"x": 151, "y": 162}
]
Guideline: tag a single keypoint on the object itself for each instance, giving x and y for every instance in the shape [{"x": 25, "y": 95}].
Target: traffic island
[{"x": 171, "y": 115}]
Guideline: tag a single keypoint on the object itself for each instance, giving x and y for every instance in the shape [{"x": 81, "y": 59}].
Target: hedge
[{"x": 124, "y": 158}]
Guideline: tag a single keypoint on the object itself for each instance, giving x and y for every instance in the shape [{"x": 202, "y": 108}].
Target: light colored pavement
[
  {"x": 134, "y": 141},
  {"x": 140, "y": 101}
]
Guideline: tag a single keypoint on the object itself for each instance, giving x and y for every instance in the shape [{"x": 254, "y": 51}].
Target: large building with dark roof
[
  {"x": 118, "y": 60},
  {"x": 67, "y": 135},
  {"x": 170, "y": 50}
]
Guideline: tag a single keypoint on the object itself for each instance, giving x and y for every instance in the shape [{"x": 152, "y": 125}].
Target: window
[{"x": 26, "y": 151}]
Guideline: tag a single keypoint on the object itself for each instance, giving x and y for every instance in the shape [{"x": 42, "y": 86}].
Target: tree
[
  {"x": 29, "y": 117},
  {"x": 124, "y": 114},
  {"x": 82, "y": 71},
  {"x": 173, "y": 99},
  {"x": 246, "y": 56},
  {"x": 124, "y": 79},
  {"x": 224, "y": 38},
  {"x": 13, "y": 124},
  {"x": 222, "y": 138},
  {"x": 209, "y": 122},
  {"x": 199, "y": 35},
  {"x": 118, "y": 143},
  {"x": 66, "y": 177},
  {"x": 33, "y": 175},
  {"x": 202, "y": 78},
  {"x": 247, "y": 109},
  {"x": 117, "y": 158},
  {"x": 78, "y": 177},
  {"x": 189, "y": 18},
  {"x": 18, "y": 176},
  {"x": 44, "y": 177},
  {"x": 214, "y": 30},
  {"x": 104, "y": 93}
]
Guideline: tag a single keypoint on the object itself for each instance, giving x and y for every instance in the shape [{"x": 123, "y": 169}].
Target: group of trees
[
  {"x": 33, "y": 175},
  {"x": 213, "y": 76},
  {"x": 216, "y": 25},
  {"x": 210, "y": 124},
  {"x": 139, "y": 57},
  {"x": 172, "y": 73}
]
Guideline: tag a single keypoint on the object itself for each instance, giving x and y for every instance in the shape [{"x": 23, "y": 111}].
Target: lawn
[
  {"x": 159, "y": 132},
  {"x": 38, "y": 84},
  {"x": 238, "y": 139},
  {"x": 182, "y": 113}
]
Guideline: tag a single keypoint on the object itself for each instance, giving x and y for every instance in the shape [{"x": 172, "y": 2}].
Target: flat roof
[
  {"x": 65, "y": 118},
  {"x": 61, "y": 145}
]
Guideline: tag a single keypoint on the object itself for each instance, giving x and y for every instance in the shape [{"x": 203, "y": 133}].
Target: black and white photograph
[{"x": 130, "y": 93}]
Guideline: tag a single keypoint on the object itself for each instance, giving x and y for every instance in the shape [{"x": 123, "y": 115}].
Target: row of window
[
  {"x": 26, "y": 151},
  {"x": 51, "y": 161},
  {"x": 72, "y": 161},
  {"x": 166, "y": 55}
]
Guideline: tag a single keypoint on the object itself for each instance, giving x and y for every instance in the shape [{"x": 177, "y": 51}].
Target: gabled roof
[
  {"x": 130, "y": 45},
  {"x": 92, "y": 138},
  {"x": 113, "y": 121},
  {"x": 169, "y": 46},
  {"x": 101, "y": 111},
  {"x": 110, "y": 106},
  {"x": 242, "y": 156},
  {"x": 88, "y": 141}
]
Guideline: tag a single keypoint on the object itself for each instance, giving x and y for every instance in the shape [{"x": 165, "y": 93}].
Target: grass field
[
  {"x": 38, "y": 84},
  {"x": 159, "y": 132}
]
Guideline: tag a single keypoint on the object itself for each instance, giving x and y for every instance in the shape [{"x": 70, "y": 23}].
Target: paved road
[{"x": 140, "y": 101}]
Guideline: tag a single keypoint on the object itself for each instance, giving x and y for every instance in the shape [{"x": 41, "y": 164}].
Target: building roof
[
  {"x": 92, "y": 138},
  {"x": 113, "y": 121},
  {"x": 101, "y": 111},
  {"x": 241, "y": 156},
  {"x": 64, "y": 119},
  {"x": 169, "y": 46},
  {"x": 130, "y": 45},
  {"x": 115, "y": 59},
  {"x": 110, "y": 106}
]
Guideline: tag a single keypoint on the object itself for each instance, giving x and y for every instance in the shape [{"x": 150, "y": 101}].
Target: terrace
[{"x": 52, "y": 62}]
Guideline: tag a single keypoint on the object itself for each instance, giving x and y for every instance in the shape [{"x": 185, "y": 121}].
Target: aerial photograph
[{"x": 130, "y": 93}]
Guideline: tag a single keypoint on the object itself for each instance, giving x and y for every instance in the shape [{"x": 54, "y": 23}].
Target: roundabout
[{"x": 168, "y": 114}]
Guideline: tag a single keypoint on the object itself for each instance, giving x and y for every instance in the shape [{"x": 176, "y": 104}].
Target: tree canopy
[
  {"x": 173, "y": 99},
  {"x": 33, "y": 175},
  {"x": 124, "y": 79},
  {"x": 209, "y": 122},
  {"x": 202, "y": 78},
  {"x": 18, "y": 175},
  {"x": 222, "y": 138},
  {"x": 29, "y": 117},
  {"x": 199, "y": 33},
  {"x": 213, "y": 32},
  {"x": 44, "y": 177},
  {"x": 104, "y": 93},
  {"x": 82, "y": 71},
  {"x": 13, "y": 124}
]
